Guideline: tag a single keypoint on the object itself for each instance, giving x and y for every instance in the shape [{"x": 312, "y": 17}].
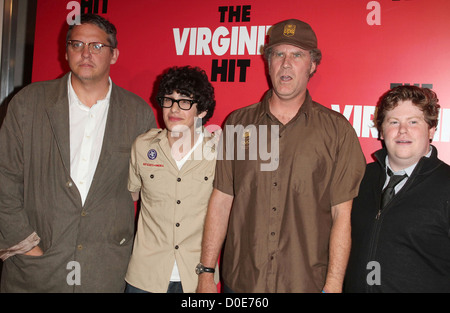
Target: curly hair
[
  {"x": 190, "y": 82},
  {"x": 425, "y": 99}
]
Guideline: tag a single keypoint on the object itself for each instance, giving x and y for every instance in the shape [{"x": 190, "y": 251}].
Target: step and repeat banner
[{"x": 367, "y": 46}]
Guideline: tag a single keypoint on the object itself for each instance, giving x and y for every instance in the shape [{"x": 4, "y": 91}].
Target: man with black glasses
[
  {"x": 66, "y": 216},
  {"x": 173, "y": 169}
]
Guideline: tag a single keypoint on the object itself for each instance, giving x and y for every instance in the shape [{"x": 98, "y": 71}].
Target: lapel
[
  {"x": 205, "y": 150},
  {"x": 115, "y": 140},
  {"x": 58, "y": 114},
  {"x": 165, "y": 148},
  {"x": 380, "y": 157},
  {"x": 57, "y": 109}
]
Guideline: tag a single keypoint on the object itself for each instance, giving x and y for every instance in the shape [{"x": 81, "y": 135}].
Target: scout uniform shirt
[{"x": 173, "y": 210}]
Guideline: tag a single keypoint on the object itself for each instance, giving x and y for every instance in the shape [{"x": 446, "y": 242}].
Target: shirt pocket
[
  {"x": 200, "y": 192},
  {"x": 157, "y": 185},
  {"x": 203, "y": 186},
  {"x": 205, "y": 177}
]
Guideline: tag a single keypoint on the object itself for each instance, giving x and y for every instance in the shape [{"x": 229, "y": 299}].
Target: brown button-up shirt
[{"x": 280, "y": 221}]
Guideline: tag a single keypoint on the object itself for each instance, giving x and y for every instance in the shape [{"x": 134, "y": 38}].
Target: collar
[
  {"x": 204, "y": 134},
  {"x": 264, "y": 108},
  {"x": 208, "y": 142},
  {"x": 73, "y": 97},
  {"x": 424, "y": 166},
  {"x": 408, "y": 171}
]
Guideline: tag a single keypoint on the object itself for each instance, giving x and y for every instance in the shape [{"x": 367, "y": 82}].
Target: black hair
[{"x": 190, "y": 82}]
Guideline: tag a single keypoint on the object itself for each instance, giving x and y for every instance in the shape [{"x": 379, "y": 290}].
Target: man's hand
[
  {"x": 36, "y": 251},
  {"x": 206, "y": 283}
]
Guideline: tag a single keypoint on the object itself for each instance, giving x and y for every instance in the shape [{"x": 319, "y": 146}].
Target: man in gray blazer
[{"x": 66, "y": 216}]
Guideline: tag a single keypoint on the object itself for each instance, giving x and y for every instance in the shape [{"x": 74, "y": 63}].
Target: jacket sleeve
[
  {"x": 22, "y": 247},
  {"x": 149, "y": 121},
  {"x": 14, "y": 224}
]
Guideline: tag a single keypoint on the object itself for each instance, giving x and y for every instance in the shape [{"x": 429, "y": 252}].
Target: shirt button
[
  {"x": 206, "y": 177},
  {"x": 275, "y": 184},
  {"x": 176, "y": 247},
  {"x": 177, "y": 224},
  {"x": 152, "y": 176},
  {"x": 69, "y": 184},
  {"x": 272, "y": 233},
  {"x": 83, "y": 213},
  {"x": 178, "y": 179},
  {"x": 178, "y": 201},
  {"x": 79, "y": 247},
  {"x": 274, "y": 209}
]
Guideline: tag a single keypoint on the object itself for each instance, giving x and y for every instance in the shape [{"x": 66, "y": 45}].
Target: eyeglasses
[
  {"x": 94, "y": 47},
  {"x": 183, "y": 104}
]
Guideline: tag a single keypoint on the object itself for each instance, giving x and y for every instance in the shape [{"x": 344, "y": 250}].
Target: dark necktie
[{"x": 389, "y": 192}]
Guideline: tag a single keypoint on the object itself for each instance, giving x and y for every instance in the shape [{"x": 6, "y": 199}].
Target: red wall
[{"x": 366, "y": 47}]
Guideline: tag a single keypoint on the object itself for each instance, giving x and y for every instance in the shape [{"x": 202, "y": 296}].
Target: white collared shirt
[{"x": 87, "y": 128}]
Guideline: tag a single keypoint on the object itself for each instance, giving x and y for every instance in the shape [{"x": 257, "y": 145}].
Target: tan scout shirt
[
  {"x": 173, "y": 210},
  {"x": 280, "y": 221}
]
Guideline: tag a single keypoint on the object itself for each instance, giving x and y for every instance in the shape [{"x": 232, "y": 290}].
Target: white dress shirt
[{"x": 87, "y": 128}]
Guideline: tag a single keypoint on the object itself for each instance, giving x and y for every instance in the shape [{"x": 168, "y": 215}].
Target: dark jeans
[
  {"x": 174, "y": 287},
  {"x": 227, "y": 289}
]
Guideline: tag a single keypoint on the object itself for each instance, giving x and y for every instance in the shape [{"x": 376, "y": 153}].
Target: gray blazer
[{"x": 37, "y": 194}]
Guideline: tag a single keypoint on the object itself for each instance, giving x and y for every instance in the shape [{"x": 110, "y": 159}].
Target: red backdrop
[{"x": 367, "y": 47}]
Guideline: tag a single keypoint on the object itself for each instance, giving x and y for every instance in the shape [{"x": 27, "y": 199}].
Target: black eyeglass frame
[
  {"x": 161, "y": 99},
  {"x": 69, "y": 42}
]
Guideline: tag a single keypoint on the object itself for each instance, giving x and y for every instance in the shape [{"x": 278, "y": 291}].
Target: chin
[{"x": 83, "y": 77}]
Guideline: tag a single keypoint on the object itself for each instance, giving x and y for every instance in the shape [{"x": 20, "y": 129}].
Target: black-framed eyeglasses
[
  {"x": 94, "y": 47},
  {"x": 183, "y": 104}
]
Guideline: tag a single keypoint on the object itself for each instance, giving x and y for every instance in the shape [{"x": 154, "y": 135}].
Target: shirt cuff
[{"x": 22, "y": 247}]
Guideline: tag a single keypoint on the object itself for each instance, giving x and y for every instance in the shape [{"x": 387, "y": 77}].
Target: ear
[
  {"x": 202, "y": 115},
  {"x": 431, "y": 133},
  {"x": 115, "y": 56},
  {"x": 66, "y": 56},
  {"x": 313, "y": 67}
]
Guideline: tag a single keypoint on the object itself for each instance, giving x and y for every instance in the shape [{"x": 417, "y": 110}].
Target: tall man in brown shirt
[{"x": 287, "y": 220}]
